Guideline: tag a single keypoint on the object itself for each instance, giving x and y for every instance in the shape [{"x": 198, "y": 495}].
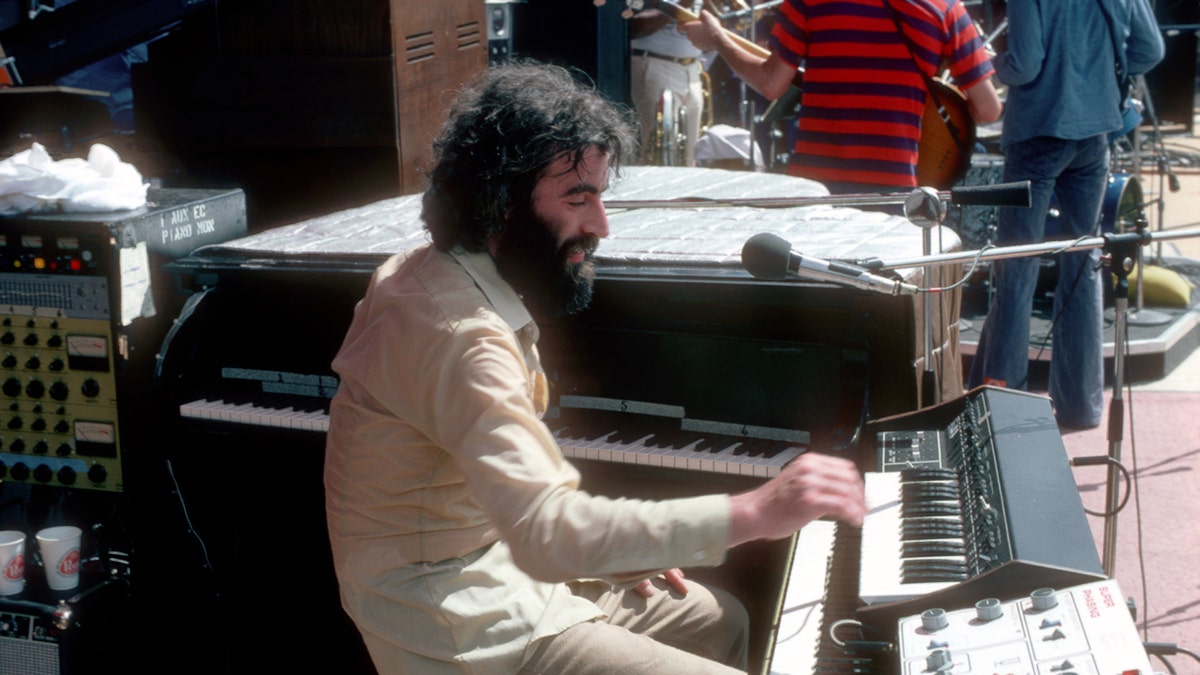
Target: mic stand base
[{"x": 1147, "y": 317}]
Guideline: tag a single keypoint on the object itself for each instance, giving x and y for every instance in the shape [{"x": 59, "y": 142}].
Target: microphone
[{"x": 768, "y": 256}]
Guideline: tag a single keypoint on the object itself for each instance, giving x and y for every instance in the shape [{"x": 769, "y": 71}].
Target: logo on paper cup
[
  {"x": 15, "y": 571},
  {"x": 69, "y": 564}
]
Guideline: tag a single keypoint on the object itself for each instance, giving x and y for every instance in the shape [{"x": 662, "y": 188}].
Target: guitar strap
[{"x": 955, "y": 133}]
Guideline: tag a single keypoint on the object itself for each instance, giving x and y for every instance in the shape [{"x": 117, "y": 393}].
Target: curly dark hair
[{"x": 504, "y": 128}]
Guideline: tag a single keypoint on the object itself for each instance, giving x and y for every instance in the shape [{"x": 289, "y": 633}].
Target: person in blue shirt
[{"x": 1063, "y": 102}]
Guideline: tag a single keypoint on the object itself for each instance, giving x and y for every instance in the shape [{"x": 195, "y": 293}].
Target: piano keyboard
[
  {"x": 710, "y": 453},
  {"x": 285, "y": 412},
  {"x": 913, "y": 536},
  {"x": 682, "y": 450},
  {"x": 803, "y": 613},
  {"x": 821, "y": 592}
]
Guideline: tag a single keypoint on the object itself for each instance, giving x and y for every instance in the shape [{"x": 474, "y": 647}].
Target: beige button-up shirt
[{"x": 453, "y": 516}]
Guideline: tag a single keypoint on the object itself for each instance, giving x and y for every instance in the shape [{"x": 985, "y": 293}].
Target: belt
[{"x": 686, "y": 61}]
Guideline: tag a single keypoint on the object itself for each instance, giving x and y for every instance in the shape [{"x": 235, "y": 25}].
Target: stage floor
[{"x": 1160, "y": 338}]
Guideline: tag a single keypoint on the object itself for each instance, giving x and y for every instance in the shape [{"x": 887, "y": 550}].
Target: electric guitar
[
  {"x": 947, "y": 130},
  {"x": 947, "y": 136}
]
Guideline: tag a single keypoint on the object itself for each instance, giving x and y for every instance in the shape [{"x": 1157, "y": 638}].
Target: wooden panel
[
  {"x": 436, "y": 47},
  {"x": 273, "y": 95}
]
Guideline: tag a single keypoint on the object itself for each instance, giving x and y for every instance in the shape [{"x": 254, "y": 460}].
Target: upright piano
[{"x": 685, "y": 376}]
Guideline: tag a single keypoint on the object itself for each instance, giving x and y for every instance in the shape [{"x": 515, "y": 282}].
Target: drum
[{"x": 1122, "y": 207}]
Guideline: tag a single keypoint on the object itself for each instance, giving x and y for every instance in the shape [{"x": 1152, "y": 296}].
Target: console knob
[
  {"x": 20, "y": 471},
  {"x": 66, "y": 475},
  {"x": 989, "y": 609},
  {"x": 1044, "y": 598},
  {"x": 90, "y": 388},
  {"x": 934, "y": 619},
  {"x": 11, "y": 387},
  {"x": 939, "y": 659},
  {"x": 97, "y": 474},
  {"x": 43, "y": 473}
]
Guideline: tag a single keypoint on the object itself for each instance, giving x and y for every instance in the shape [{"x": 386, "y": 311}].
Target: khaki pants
[{"x": 703, "y": 632}]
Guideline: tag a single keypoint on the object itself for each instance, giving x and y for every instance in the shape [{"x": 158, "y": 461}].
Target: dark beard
[{"x": 529, "y": 258}]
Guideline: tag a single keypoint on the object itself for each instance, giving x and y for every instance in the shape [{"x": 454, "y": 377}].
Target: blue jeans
[{"x": 1076, "y": 172}]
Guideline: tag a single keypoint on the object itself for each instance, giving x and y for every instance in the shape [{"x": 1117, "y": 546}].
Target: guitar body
[{"x": 947, "y": 137}]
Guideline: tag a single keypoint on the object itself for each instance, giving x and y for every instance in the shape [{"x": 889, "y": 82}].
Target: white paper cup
[
  {"x": 12, "y": 562},
  {"x": 59, "y": 547}
]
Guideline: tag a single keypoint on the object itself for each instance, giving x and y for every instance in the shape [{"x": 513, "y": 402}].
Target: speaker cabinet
[{"x": 1172, "y": 83}]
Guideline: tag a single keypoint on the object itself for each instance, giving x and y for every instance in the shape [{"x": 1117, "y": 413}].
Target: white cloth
[
  {"x": 32, "y": 181},
  {"x": 721, "y": 141}
]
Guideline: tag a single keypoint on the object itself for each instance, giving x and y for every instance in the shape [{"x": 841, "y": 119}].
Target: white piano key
[
  {"x": 799, "y": 632},
  {"x": 880, "y": 569}
]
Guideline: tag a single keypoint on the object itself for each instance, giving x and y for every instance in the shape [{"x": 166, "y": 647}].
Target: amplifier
[
  {"x": 65, "y": 636},
  {"x": 80, "y": 301}
]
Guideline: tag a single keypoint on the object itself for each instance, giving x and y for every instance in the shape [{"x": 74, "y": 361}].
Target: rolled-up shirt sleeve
[{"x": 516, "y": 471}]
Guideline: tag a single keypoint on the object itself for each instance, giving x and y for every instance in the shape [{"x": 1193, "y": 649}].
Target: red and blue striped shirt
[{"x": 862, "y": 100}]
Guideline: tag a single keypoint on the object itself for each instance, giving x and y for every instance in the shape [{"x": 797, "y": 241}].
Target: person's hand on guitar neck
[{"x": 762, "y": 70}]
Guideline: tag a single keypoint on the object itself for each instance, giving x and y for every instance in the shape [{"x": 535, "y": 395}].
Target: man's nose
[{"x": 597, "y": 222}]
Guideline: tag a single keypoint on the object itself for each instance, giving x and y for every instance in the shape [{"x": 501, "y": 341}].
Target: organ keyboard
[
  {"x": 300, "y": 413},
  {"x": 971, "y": 498}
]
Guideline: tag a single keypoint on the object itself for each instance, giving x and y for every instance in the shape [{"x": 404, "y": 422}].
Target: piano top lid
[{"x": 678, "y": 239}]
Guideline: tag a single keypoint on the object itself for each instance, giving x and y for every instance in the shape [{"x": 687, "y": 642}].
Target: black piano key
[
  {"x": 928, "y": 474},
  {"x": 924, "y": 576},
  {"x": 930, "y": 530},
  {"x": 928, "y": 491},
  {"x": 927, "y": 548},
  {"x": 920, "y": 509}
]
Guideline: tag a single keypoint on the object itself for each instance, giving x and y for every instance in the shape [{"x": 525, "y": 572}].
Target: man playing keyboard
[{"x": 461, "y": 540}]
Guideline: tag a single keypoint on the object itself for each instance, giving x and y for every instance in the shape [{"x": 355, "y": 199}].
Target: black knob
[
  {"x": 64, "y": 450},
  {"x": 17, "y": 445},
  {"x": 55, "y": 341},
  {"x": 90, "y": 388},
  {"x": 16, "y": 423},
  {"x": 41, "y": 448},
  {"x": 62, "y": 427},
  {"x": 38, "y": 425},
  {"x": 56, "y": 365},
  {"x": 66, "y": 475},
  {"x": 35, "y": 389},
  {"x": 33, "y": 363},
  {"x": 11, "y": 387},
  {"x": 8, "y": 338},
  {"x": 97, "y": 474},
  {"x": 43, "y": 473},
  {"x": 9, "y": 361},
  {"x": 59, "y": 391},
  {"x": 31, "y": 340},
  {"x": 20, "y": 471}
]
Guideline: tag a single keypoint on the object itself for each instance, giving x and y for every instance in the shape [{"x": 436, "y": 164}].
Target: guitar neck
[{"x": 681, "y": 15}]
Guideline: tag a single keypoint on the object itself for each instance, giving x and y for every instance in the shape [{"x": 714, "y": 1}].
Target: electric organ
[{"x": 686, "y": 375}]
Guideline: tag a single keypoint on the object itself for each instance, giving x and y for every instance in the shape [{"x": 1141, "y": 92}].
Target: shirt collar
[{"x": 499, "y": 292}]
